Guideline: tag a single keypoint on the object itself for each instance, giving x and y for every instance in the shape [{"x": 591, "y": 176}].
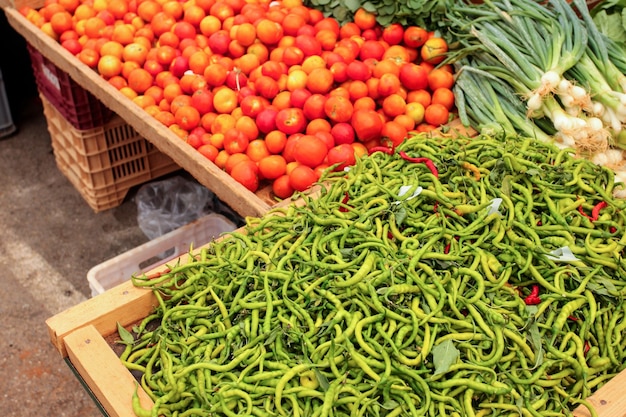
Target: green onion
[{"x": 538, "y": 68}]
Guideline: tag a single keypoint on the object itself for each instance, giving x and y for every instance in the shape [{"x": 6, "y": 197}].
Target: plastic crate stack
[{"x": 98, "y": 152}]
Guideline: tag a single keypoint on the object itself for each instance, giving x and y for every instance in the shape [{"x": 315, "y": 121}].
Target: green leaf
[
  {"x": 444, "y": 355},
  {"x": 400, "y": 215},
  {"x": 370, "y": 7},
  {"x": 535, "y": 341},
  {"x": 597, "y": 289},
  {"x": 352, "y": 5},
  {"x": 532, "y": 310},
  {"x": 612, "y": 25},
  {"x": 390, "y": 405},
  {"x": 127, "y": 337}
]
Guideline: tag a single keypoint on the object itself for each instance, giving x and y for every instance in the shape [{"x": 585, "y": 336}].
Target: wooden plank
[
  {"x": 124, "y": 304},
  {"x": 239, "y": 198},
  {"x": 609, "y": 400},
  {"x": 17, "y": 4},
  {"x": 109, "y": 380}
]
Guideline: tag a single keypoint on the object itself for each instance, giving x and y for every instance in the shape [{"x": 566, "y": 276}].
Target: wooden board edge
[
  {"x": 608, "y": 401},
  {"x": 109, "y": 380},
  {"x": 122, "y": 304}
]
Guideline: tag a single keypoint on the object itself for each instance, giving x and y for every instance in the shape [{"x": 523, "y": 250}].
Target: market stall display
[
  {"x": 242, "y": 82},
  {"x": 475, "y": 274},
  {"x": 454, "y": 274}
]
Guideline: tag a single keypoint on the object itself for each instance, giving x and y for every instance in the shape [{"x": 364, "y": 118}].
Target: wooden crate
[
  {"x": 84, "y": 335},
  {"x": 239, "y": 198}
]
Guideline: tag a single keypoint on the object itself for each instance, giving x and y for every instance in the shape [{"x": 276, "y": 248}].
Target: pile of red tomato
[{"x": 268, "y": 91}]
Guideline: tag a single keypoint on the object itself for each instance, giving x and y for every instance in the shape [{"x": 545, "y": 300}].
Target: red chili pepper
[
  {"x": 533, "y": 298},
  {"x": 612, "y": 229},
  {"x": 581, "y": 211},
  {"x": 446, "y": 249},
  {"x": 427, "y": 161},
  {"x": 345, "y": 199},
  {"x": 383, "y": 149},
  {"x": 159, "y": 274},
  {"x": 587, "y": 347},
  {"x": 573, "y": 318},
  {"x": 595, "y": 212}
]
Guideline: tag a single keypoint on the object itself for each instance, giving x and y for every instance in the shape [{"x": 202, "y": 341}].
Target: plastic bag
[{"x": 166, "y": 205}]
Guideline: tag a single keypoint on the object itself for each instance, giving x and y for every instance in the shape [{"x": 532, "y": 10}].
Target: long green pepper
[{"x": 392, "y": 304}]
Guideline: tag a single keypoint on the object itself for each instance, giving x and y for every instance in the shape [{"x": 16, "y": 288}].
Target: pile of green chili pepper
[{"x": 451, "y": 276}]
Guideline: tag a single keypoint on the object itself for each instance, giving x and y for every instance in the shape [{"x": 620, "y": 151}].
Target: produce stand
[
  {"x": 208, "y": 174},
  {"x": 85, "y": 336}
]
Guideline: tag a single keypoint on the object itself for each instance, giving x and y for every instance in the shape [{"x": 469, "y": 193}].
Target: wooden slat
[
  {"x": 111, "y": 383},
  {"x": 239, "y": 198},
  {"x": 124, "y": 304},
  {"x": 609, "y": 400},
  {"x": 17, "y": 4}
]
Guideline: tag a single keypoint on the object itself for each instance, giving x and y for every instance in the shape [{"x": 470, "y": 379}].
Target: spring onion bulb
[{"x": 560, "y": 81}]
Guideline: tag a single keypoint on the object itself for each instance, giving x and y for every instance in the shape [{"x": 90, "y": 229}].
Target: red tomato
[
  {"x": 291, "y": 120},
  {"x": 343, "y": 155},
  {"x": 302, "y": 177},
  {"x": 310, "y": 150},
  {"x": 235, "y": 141},
  {"x": 246, "y": 173},
  {"x": 273, "y": 166},
  {"x": 281, "y": 187}
]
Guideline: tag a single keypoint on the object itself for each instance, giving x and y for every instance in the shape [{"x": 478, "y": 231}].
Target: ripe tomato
[
  {"x": 310, "y": 150},
  {"x": 367, "y": 124},
  {"x": 235, "y": 141},
  {"x": 415, "y": 36},
  {"x": 275, "y": 141},
  {"x": 393, "y": 34},
  {"x": 207, "y": 150},
  {"x": 436, "y": 114},
  {"x": 413, "y": 76},
  {"x": 246, "y": 173},
  {"x": 434, "y": 50},
  {"x": 343, "y": 155},
  {"x": 440, "y": 78},
  {"x": 443, "y": 96},
  {"x": 273, "y": 166},
  {"x": 343, "y": 133},
  {"x": 282, "y": 188},
  {"x": 364, "y": 19},
  {"x": 187, "y": 117},
  {"x": 257, "y": 150},
  {"x": 266, "y": 119},
  {"x": 291, "y": 120},
  {"x": 314, "y": 107},
  {"x": 393, "y": 132},
  {"x": 302, "y": 177},
  {"x": 338, "y": 109}
]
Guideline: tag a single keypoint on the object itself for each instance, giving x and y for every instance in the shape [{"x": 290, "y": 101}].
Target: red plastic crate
[{"x": 77, "y": 105}]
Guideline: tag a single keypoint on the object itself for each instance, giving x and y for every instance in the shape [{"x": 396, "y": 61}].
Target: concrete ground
[{"x": 49, "y": 239}]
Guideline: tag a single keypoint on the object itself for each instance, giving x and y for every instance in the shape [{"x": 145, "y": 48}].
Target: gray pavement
[{"x": 49, "y": 239}]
